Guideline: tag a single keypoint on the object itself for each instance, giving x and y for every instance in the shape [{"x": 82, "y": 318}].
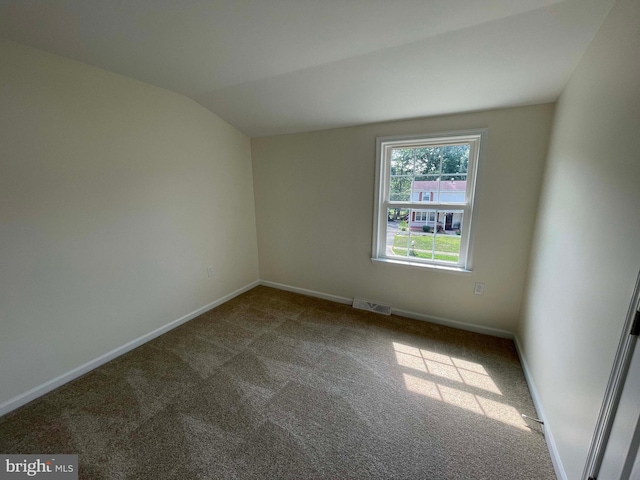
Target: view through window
[{"x": 425, "y": 198}]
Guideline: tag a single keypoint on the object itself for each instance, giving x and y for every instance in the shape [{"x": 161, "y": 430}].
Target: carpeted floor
[{"x": 278, "y": 385}]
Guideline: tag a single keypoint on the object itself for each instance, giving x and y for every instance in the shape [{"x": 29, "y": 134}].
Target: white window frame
[{"x": 477, "y": 140}]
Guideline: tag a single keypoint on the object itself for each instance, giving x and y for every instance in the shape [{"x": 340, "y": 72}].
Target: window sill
[{"x": 440, "y": 268}]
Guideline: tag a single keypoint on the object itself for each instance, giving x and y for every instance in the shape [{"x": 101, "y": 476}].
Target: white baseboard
[
  {"x": 304, "y": 291},
  {"x": 537, "y": 402},
  {"x": 54, "y": 383},
  {"x": 470, "y": 327},
  {"x": 60, "y": 380},
  {"x": 495, "y": 332}
]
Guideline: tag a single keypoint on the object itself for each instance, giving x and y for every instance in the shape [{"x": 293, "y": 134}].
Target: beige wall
[
  {"x": 314, "y": 207},
  {"x": 585, "y": 255},
  {"x": 114, "y": 198}
]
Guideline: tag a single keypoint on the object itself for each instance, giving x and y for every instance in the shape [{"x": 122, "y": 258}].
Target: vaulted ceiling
[{"x": 281, "y": 66}]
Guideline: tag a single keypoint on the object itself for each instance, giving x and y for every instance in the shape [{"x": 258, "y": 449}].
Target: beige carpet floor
[{"x": 278, "y": 385}]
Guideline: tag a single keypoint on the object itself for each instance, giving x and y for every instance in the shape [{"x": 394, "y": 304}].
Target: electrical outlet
[
  {"x": 478, "y": 288},
  {"x": 210, "y": 271}
]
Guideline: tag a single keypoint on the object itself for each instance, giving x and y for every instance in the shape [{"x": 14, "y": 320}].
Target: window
[
  {"x": 425, "y": 199},
  {"x": 424, "y": 215}
]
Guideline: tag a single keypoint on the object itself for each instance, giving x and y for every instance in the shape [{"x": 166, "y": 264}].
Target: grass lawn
[{"x": 447, "y": 247}]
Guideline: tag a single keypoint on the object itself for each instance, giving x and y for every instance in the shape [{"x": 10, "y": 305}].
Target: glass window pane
[
  {"x": 455, "y": 159},
  {"x": 425, "y": 188},
  {"x": 425, "y": 234},
  {"x": 402, "y": 162},
  {"x": 446, "y": 244},
  {"x": 439, "y": 188},
  {"x": 453, "y": 188},
  {"x": 397, "y": 215},
  {"x": 422, "y": 220},
  {"x": 422, "y": 245},
  {"x": 397, "y": 243},
  {"x": 429, "y": 174},
  {"x": 400, "y": 189},
  {"x": 427, "y": 160}
]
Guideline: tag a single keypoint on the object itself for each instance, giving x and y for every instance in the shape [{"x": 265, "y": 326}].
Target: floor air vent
[{"x": 371, "y": 307}]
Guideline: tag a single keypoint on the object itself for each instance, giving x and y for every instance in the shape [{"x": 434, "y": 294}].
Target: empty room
[{"x": 318, "y": 239}]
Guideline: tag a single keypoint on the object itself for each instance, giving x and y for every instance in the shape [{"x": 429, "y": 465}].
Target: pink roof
[{"x": 445, "y": 185}]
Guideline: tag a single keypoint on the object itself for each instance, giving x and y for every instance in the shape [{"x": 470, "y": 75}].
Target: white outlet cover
[
  {"x": 210, "y": 271},
  {"x": 478, "y": 289}
]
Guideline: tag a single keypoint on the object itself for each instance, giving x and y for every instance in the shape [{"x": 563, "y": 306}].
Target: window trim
[{"x": 478, "y": 138}]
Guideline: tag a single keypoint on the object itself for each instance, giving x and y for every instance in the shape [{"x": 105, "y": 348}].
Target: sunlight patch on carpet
[
  {"x": 462, "y": 371},
  {"x": 452, "y": 369},
  {"x": 468, "y": 401}
]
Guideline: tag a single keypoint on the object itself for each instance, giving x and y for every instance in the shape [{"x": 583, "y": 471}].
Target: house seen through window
[{"x": 425, "y": 199}]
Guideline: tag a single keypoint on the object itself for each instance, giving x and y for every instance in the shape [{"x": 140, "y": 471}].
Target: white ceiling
[{"x": 282, "y": 66}]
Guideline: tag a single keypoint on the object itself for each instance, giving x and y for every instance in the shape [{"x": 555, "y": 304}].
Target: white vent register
[{"x": 371, "y": 307}]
